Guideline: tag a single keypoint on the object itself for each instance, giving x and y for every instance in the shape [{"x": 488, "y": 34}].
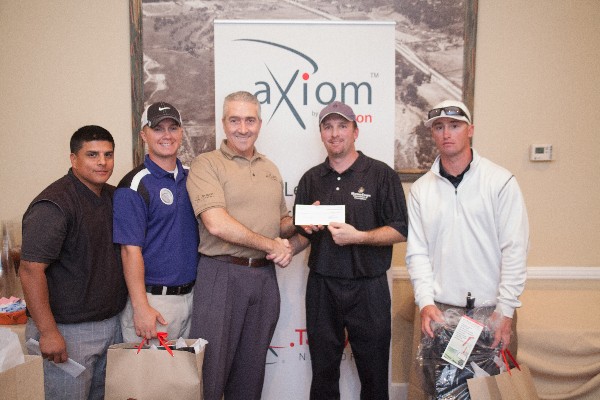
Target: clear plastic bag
[
  {"x": 11, "y": 352},
  {"x": 443, "y": 380}
]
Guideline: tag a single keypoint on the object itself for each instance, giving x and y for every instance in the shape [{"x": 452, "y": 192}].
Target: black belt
[
  {"x": 171, "y": 290},
  {"x": 248, "y": 262}
]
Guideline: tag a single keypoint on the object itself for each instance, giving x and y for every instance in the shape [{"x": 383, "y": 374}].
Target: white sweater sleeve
[
  {"x": 513, "y": 237},
  {"x": 418, "y": 263}
]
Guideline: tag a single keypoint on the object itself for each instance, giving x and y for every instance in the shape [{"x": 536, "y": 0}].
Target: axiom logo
[
  {"x": 283, "y": 91},
  {"x": 272, "y": 355}
]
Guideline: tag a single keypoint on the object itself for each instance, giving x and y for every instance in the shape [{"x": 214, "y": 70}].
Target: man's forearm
[
  {"x": 133, "y": 270},
  {"x": 287, "y": 227},
  {"x": 219, "y": 223},
  {"x": 298, "y": 243},
  {"x": 382, "y": 236}
]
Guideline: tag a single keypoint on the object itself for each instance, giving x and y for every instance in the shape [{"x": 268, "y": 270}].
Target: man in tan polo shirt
[{"x": 237, "y": 196}]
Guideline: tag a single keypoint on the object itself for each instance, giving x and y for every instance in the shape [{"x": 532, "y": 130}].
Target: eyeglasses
[{"x": 449, "y": 111}]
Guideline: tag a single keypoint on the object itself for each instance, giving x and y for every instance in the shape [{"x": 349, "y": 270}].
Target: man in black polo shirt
[
  {"x": 347, "y": 285},
  {"x": 71, "y": 276}
]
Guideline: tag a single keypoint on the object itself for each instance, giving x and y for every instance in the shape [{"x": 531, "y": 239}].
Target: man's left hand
[
  {"x": 503, "y": 330},
  {"x": 343, "y": 233}
]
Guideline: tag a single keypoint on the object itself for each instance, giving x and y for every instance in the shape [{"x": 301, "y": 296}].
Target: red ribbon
[
  {"x": 162, "y": 339},
  {"x": 504, "y": 353}
]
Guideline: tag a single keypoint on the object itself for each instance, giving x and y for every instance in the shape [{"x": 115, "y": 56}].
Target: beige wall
[
  {"x": 537, "y": 81},
  {"x": 65, "y": 63}
]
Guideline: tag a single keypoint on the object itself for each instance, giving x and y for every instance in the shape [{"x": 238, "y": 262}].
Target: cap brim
[
  {"x": 430, "y": 122},
  {"x": 156, "y": 121},
  {"x": 335, "y": 112}
]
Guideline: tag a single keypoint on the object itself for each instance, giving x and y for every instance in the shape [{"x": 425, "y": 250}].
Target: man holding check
[{"x": 347, "y": 286}]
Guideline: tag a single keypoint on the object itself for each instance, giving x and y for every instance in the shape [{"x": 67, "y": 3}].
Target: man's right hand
[
  {"x": 144, "y": 321},
  {"x": 53, "y": 347},
  {"x": 430, "y": 314},
  {"x": 281, "y": 253}
]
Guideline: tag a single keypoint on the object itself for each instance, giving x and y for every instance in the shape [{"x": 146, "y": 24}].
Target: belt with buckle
[
  {"x": 248, "y": 262},
  {"x": 170, "y": 290}
]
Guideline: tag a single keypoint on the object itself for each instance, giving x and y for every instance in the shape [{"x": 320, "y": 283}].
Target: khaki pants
[{"x": 175, "y": 309}]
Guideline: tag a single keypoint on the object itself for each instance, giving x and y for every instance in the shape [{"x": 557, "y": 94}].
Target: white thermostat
[{"x": 540, "y": 152}]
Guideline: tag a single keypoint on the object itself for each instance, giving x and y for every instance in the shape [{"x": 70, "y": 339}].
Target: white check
[{"x": 319, "y": 215}]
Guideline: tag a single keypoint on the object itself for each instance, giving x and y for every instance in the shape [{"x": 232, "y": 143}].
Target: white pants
[{"x": 175, "y": 309}]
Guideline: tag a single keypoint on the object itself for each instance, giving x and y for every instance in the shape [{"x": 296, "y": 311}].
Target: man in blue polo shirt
[{"x": 155, "y": 225}]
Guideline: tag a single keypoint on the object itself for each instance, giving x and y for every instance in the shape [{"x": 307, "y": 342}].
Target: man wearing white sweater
[{"x": 468, "y": 229}]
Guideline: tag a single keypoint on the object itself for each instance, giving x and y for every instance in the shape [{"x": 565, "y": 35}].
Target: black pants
[{"x": 362, "y": 307}]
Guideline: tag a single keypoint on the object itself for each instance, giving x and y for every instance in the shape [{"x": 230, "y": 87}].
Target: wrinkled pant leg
[
  {"x": 326, "y": 338},
  {"x": 368, "y": 321},
  {"x": 236, "y": 310},
  {"x": 87, "y": 344},
  {"x": 258, "y": 319}
]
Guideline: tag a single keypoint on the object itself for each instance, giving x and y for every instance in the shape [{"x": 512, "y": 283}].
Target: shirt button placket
[{"x": 251, "y": 169}]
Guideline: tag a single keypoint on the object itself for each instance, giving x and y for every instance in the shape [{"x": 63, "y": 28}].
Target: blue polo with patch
[{"x": 152, "y": 210}]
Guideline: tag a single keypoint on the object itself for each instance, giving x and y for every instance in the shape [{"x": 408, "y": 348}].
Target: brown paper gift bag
[
  {"x": 154, "y": 374},
  {"x": 514, "y": 384},
  {"x": 24, "y": 381}
]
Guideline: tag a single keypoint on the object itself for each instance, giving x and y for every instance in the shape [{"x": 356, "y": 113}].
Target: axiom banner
[{"x": 295, "y": 68}]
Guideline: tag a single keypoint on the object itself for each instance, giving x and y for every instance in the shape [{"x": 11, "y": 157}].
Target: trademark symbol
[{"x": 374, "y": 74}]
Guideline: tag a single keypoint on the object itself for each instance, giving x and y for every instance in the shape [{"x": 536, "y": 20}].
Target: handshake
[{"x": 281, "y": 252}]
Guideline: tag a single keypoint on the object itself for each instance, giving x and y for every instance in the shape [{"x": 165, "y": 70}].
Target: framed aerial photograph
[{"x": 172, "y": 60}]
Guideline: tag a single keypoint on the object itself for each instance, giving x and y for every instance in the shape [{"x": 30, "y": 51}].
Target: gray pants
[
  {"x": 236, "y": 309},
  {"x": 87, "y": 344}
]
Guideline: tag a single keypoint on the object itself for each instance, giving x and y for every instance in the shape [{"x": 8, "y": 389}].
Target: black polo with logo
[{"x": 373, "y": 196}]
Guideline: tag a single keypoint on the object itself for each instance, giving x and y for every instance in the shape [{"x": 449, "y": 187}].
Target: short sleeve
[
  {"x": 44, "y": 231},
  {"x": 203, "y": 185},
  {"x": 130, "y": 218}
]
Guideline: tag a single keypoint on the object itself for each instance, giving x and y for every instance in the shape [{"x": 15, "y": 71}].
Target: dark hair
[{"x": 89, "y": 133}]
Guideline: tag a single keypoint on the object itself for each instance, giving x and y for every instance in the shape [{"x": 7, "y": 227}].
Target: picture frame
[{"x": 441, "y": 34}]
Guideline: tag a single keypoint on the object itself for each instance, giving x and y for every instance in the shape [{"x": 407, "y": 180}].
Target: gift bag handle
[
  {"x": 504, "y": 353},
  {"x": 162, "y": 339}
]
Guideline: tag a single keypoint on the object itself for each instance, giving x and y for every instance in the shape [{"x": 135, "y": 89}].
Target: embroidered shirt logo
[
  {"x": 360, "y": 194},
  {"x": 166, "y": 196},
  {"x": 271, "y": 177}
]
